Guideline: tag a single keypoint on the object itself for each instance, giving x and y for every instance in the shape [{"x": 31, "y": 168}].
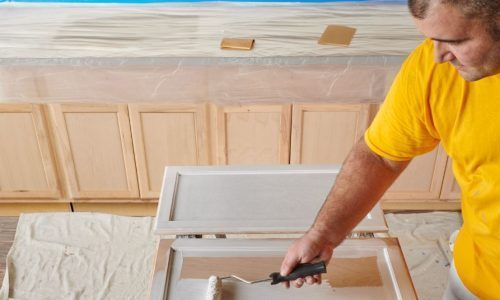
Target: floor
[
  {"x": 7, "y": 231},
  {"x": 425, "y": 242}
]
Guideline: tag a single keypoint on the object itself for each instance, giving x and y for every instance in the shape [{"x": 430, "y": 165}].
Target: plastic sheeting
[{"x": 170, "y": 52}]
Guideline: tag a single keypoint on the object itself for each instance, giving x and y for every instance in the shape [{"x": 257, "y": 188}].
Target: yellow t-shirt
[{"x": 430, "y": 103}]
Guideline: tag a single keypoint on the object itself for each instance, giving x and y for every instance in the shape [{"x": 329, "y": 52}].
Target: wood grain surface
[
  {"x": 342, "y": 272},
  {"x": 7, "y": 231}
]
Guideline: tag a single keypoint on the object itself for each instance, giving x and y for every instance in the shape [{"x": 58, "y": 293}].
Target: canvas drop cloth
[
  {"x": 424, "y": 239},
  {"x": 80, "y": 256},
  {"x": 100, "y": 256}
]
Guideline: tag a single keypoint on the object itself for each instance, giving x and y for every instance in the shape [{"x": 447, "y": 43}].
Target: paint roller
[{"x": 214, "y": 290}]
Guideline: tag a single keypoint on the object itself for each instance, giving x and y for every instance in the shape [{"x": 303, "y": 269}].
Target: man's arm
[{"x": 363, "y": 179}]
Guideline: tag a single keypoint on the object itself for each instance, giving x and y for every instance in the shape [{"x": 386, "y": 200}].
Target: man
[{"x": 448, "y": 91}]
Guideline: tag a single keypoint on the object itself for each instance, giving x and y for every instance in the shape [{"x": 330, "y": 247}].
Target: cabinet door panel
[
  {"x": 95, "y": 147},
  {"x": 422, "y": 179},
  {"x": 26, "y": 166},
  {"x": 324, "y": 134},
  {"x": 254, "y": 134},
  {"x": 360, "y": 269},
  {"x": 167, "y": 135}
]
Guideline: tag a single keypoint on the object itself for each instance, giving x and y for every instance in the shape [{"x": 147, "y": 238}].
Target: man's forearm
[{"x": 363, "y": 179}]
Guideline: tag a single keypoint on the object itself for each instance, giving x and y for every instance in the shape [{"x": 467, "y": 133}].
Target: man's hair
[{"x": 486, "y": 10}]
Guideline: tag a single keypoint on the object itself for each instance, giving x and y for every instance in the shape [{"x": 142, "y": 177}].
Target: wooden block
[
  {"x": 337, "y": 35},
  {"x": 237, "y": 44}
]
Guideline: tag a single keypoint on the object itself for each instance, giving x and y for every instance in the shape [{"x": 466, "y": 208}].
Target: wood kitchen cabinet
[
  {"x": 27, "y": 169},
  {"x": 95, "y": 154},
  {"x": 252, "y": 134},
  {"x": 419, "y": 186},
  {"x": 167, "y": 135},
  {"x": 324, "y": 134},
  {"x": 94, "y": 146},
  {"x": 422, "y": 179}
]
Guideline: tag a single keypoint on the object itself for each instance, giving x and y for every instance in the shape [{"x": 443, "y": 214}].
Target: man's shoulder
[
  {"x": 420, "y": 67},
  {"x": 422, "y": 58},
  {"x": 424, "y": 50}
]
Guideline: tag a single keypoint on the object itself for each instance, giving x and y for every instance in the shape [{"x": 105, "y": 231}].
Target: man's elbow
[{"x": 392, "y": 165}]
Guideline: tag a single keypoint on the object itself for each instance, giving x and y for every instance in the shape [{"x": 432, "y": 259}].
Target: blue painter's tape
[{"x": 184, "y": 1}]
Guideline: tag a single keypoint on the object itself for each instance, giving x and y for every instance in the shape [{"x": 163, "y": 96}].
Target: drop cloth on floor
[
  {"x": 424, "y": 239},
  {"x": 80, "y": 256},
  {"x": 100, "y": 256}
]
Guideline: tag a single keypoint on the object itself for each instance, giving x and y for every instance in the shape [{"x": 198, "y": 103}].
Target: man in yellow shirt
[{"x": 448, "y": 92}]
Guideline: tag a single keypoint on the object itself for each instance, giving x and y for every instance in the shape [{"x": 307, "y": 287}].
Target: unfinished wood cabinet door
[
  {"x": 252, "y": 134},
  {"x": 451, "y": 189},
  {"x": 26, "y": 164},
  {"x": 419, "y": 186},
  {"x": 324, "y": 134},
  {"x": 94, "y": 145},
  {"x": 167, "y": 135}
]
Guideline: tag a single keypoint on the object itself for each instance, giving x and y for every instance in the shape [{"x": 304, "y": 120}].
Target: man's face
[{"x": 463, "y": 42}]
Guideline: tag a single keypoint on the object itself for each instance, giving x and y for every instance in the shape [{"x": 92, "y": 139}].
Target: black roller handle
[{"x": 302, "y": 270}]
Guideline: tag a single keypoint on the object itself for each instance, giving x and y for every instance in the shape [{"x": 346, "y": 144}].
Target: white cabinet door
[
  {"x": 360, "y": 269},
  {"x": 248, "y": 199}
]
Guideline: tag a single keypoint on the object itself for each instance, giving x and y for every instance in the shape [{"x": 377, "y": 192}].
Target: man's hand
[
  {"x": 364, "y": 178},
  {"x": 311, "y": 247}
]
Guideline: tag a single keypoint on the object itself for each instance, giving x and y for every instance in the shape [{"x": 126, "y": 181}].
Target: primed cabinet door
[
  {"x": 26, "y": 166},
  {"x": 95, "y": 148},
  {"x": 167, "y": 135},
  {"x": 248, "y": 199},
  {"x": 422, "y": 179},
  {"x": 451, "y": 189},
  {"x": 252, "y": 134},
  {"x": 361, "y": 269},
  {"x": 324, "y": 134}
]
